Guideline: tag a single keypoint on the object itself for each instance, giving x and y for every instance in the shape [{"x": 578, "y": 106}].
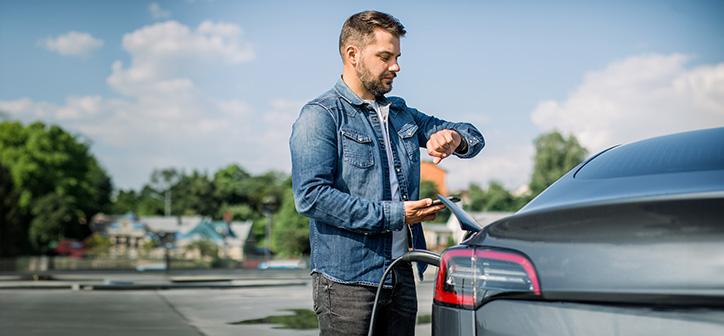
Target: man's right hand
[{"x": 421, "y": 211}]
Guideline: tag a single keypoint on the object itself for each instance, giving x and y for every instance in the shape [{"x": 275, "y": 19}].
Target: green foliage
[
  {"x": 13, "y": 234},
  {"x": 53, "y": 170},
  {"x": 229, "y": 183},
  {"x": 194, "y": 195},
  {"x": 124, "y": 201},
  {"x": 555, "y": 155},
  {"x": 241, "y": 212},
  {"x": 494, "y": 198},
  {"x": 98, "y": 245},
  {"x": 206, "y": 248},
  {"x": 55, "y": 217},
  {"x": 290, "y": 235},
  {"x": 230, "y": 189},
  {"x": 428, "y": 189},
  {"x": 149, "y": 245}
]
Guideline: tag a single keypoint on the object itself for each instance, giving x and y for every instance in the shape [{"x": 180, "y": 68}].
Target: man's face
[{"x": 378, "y": 64}]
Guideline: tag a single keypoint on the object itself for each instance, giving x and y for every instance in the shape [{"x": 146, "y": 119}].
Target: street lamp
[{"x": 269, "y": 205}]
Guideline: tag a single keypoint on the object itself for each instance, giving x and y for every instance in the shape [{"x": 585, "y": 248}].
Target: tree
[
  {"x": 477, "y": 198},
  {"x": 99, "y": 245},
  {"x": 194, "y": 195},
  {"x": 149, "y": 202},
  {"x": 124, "y": 201},
  {"x": 498, "y": 198},
  {"x": 51, "y": 168},
  {"x": 229, "y": 183},
  {"x": 55, "y": 217},
  {"x": 291, "y": 230},
  {"x": 13, "y": 234},
  {"x": 206, "y": 248},
  {"x": 494, "y": 198},
  {"x": 555, "y": 155},
  {"x": 428, "y": 189}
]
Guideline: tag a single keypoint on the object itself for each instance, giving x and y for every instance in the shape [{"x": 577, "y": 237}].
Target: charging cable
[{"x": 423, "y": 256}]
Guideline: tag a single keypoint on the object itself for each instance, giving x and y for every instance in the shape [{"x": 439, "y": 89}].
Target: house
[
  {"x": 171, "y": 224},
  {"x": 228, "y": 237},
  {"x": 127, "y": 234}
]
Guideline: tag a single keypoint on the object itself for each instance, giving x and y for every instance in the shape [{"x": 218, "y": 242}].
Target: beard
[{"x": 374, "y": 85}]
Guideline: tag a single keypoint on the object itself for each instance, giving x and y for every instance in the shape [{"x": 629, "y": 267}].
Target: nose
[{"x": 395, "y": 67}]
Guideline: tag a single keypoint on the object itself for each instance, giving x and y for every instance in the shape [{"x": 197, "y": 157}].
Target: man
[{"x": 356, "y": 175}]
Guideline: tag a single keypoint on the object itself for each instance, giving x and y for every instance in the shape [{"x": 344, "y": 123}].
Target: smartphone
[{"x": 453, "y": 199}]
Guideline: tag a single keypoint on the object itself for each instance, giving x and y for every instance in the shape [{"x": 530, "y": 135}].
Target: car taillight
[{"x": 467, "y": 276}]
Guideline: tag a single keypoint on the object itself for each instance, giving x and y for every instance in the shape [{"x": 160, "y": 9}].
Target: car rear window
[{"x": 683, "y": 152}]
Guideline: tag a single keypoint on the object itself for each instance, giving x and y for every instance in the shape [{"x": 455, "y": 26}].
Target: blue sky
[{"x": 201, "y": 84}]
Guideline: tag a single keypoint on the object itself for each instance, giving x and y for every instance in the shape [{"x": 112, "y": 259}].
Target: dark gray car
[{"x": 629, "y": 242}]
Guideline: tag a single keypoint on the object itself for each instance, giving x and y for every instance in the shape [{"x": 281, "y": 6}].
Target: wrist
[{"x": 462, "y": 147}]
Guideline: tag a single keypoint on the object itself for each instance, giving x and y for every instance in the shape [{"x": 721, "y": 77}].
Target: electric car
[{"x": 629, "y": 242}]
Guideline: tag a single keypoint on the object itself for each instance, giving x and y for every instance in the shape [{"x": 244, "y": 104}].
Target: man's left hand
[{"x": 442, "y": 144}]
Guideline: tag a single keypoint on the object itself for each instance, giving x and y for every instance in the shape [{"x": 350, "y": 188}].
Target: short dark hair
[{"x": 361, "y": 26}]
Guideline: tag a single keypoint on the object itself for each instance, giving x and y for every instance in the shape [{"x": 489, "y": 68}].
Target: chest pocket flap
[
  {"x": 355, "y": 135},
  {"x": 407, "y": 131}
]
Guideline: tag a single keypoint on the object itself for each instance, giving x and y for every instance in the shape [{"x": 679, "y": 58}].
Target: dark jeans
[{"x": 346, "y": 309}]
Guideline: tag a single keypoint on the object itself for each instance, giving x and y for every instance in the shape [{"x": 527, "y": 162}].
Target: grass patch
[{"x": 423, "y": 319}]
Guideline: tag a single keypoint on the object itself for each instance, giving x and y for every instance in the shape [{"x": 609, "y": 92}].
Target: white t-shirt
[{"x": 399, "y": 237}]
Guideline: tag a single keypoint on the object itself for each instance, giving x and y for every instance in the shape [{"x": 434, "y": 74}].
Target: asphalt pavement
[{"x": 177, "y": 304}]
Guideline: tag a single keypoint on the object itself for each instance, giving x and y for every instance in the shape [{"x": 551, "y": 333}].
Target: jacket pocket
[{"x": 357, "y": 148}]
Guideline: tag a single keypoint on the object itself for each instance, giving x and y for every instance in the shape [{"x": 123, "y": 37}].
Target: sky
[{"x": 199, "y": 85}]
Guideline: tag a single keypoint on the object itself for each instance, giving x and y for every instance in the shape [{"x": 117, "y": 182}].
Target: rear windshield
[{"x": 684, "y": 152}]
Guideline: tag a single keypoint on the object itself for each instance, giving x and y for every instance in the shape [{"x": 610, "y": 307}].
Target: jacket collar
[{"x": 347, "y": 94}]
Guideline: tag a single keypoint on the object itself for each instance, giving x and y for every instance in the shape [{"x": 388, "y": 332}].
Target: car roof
[{"x": 689, "y": 164}]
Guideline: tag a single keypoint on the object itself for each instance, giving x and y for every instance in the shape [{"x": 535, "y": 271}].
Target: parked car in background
[
  {"x": 70, "y": 248},
  {"x": 629, "y": 242}
]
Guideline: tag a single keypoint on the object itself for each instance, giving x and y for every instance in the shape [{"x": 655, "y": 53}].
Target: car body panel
[
  {"x": 510, "y": 317},
  {"x": 452, "y": 321},
  {"x": 653, "y": 248}
]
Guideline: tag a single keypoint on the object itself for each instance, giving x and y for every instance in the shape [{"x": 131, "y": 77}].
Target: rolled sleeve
[
  {"x": 394, "y": 212},
  {"x": 472, "y": 136},
  {"x": 429, "y": 125}
]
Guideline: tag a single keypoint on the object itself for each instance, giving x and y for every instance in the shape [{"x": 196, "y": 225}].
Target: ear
[{"x": 351, "y": 54}]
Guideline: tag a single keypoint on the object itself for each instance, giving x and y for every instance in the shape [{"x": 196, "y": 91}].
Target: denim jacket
[{"x": 340, "y": 180}]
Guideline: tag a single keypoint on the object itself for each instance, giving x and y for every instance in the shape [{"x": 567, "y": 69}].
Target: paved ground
[{"x": 202, "y": 311}]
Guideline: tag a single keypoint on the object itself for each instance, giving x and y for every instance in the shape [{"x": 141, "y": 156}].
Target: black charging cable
[{"x": 423, "y": 256}]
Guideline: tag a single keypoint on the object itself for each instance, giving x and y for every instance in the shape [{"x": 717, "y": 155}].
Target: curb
[{"x": 126, "y": 286}]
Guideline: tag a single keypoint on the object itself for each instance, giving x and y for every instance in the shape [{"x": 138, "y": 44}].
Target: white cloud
[
  {"x": 163, "y": 117},
  {"x": 635, "y": 98},
  {"x": 157, "y": 12},
  {"x": 164, "y": 53},
  {"x": 73, "y": 44}
]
